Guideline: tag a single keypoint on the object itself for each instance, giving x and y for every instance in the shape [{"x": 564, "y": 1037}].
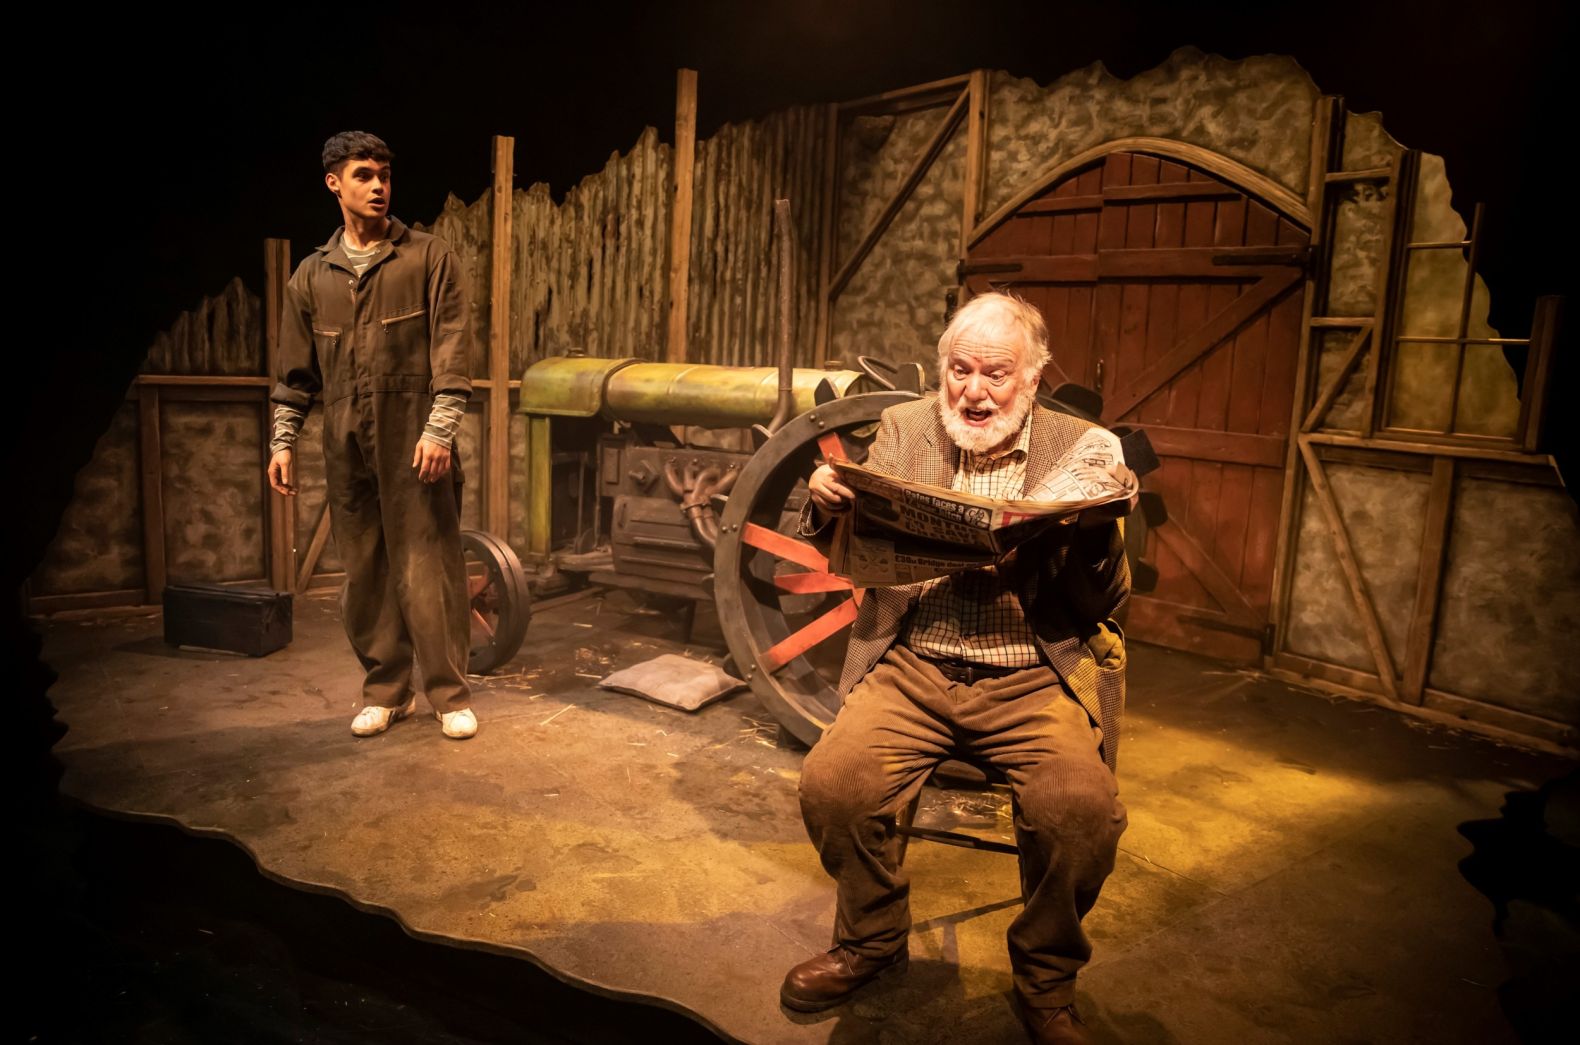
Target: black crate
[{"x": 254, "y": 621}]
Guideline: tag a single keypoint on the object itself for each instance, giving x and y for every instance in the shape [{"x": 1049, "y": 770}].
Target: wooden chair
[{"x": 956, "y": 774}]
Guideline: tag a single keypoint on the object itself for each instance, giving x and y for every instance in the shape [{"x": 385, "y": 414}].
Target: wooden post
[
  {"x": 150, "y": 464},
  {"x": 281, "y": 521},
  {"x": 1538, "y": 370},
  {"x": 496, "y": 473},
  {"x": 680, "y": 213},
  {"x": 1327, "y": 142},
  {"x": 976, "y": 157},
  {"x": 825, "y": 249}
]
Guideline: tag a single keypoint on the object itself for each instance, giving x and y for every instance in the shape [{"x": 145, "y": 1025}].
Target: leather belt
[{"x": 970, "y": 672}]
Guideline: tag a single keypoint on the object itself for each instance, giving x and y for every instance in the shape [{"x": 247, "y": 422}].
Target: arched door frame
[{"x": 1238, "y": 175}]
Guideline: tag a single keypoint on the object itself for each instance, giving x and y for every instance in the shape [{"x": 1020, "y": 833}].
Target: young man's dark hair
[{"x": 354, "y": 145}]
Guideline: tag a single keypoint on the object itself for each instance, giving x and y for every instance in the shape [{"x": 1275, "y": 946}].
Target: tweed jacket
[{"x": 1071, "y": 583}]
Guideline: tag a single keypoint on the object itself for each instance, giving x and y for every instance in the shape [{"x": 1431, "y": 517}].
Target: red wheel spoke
[
  {"x": 829, "y": 624},
  {"x": 784, "y": 546},
  {"x": 811, "y": 583},
  {"x": 482, "y": 622},
  {"x": 831, "y": 445}
]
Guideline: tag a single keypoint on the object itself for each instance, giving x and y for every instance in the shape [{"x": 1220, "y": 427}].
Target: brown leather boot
[
  {"x": 824, "y": 981},
  {"x": 1061, "y": 1026}
]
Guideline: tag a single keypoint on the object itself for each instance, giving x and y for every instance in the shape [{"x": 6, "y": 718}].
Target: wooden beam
[
  {"x": 675, "y": 346},
  {"x": 1445, "y": 448},
  {"x": 1429, "y": 579},
  {"x": 1442, "y": 708},
  {"x": 150, "y": 464},
  {"x": 1225, "y": 263},
  {"x": 1467, "y": 297},
  {"x": 1035, "y": 268},
  {"x": 1169, "y": 190},
  {"x": 827, "y": 231},
  {"x": 281, "y": 518},
  {"x": 1327, "y": 124},
  {"x": 496, "y": 459},
  {"x": 884, "y": 99},
  {"x": 1539, "y": 370},
  {"x": 930, "y": 152},
  {"x": 1205, "y": 444},
  {"x": 1364, "y": 174},
  {"x": 1325, "y": 400},
  {"x": 976, "y": 156},
  {"x": 1359, "y": 592},
  {"x": 1059, "y": 205},
  {"x": 1381, "y": 459},
  {"x": 1358, "y": 682},
  {"x": 1390, "y": 289},
  {"x": 1497, "y": 721},
  {"x": 315, "y": 549}
]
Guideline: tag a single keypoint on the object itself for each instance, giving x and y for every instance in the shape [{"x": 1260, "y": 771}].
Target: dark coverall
[{"x": 377, "y": 349}]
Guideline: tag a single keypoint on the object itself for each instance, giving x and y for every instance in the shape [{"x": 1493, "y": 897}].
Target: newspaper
[{"x": 900, "y": 532}]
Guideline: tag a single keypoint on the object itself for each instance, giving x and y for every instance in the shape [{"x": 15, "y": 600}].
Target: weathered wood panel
[{"x": 222, "y": 335}]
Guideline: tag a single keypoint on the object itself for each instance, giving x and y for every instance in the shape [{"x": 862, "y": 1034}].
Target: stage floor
[{"x": 1290, "y": 872}]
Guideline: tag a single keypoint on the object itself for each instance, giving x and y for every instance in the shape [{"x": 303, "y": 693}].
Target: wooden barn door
[{"x": 1177, "y": 297}]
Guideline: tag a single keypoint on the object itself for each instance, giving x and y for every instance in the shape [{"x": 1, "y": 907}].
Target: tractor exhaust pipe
[{"x": 783, "y": 231}]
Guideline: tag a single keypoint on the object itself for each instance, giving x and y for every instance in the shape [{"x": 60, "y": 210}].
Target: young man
[
  {"x": 1021, "y": 666},
  {"x": 373, "y": 325}
]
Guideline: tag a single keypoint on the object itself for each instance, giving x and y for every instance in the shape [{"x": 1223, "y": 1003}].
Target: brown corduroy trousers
[{"x": 900, "y": 722}]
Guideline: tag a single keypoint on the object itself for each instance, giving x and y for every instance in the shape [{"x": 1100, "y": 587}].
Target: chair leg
[
  {"x": 906, "y": 819},
  {"x": 1020, "y": 865}
]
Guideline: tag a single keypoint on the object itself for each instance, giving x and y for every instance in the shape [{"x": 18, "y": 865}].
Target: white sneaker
[
  {"x": 375, "y": 719},
  {"x": 458, "y": 724}
]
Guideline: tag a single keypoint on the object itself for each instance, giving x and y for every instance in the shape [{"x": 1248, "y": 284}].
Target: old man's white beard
[{"x": 1004, "y": 423}]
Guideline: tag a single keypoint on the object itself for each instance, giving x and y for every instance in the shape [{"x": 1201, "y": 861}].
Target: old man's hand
[
  {"x": 828, "y": 493},
  {"x": 1107, "y": 513}
]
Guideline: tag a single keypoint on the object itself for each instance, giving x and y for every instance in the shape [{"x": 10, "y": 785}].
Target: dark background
[{"x": 153, "y": 151}]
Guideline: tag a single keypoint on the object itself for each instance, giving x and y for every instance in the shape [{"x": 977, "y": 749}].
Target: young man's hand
[
  {"x": 282, "y": 472},
  {"x": 431, "y": 461},
  {"x": 828, "y": 493}
]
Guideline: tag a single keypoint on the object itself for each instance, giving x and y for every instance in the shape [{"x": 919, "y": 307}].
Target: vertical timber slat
[
  {"x": 976, "y": 156},
  {"x": 680, "y": 213},
  {"x": 281, "y": 519},
  {"x": 1325, "y": 129},
  {"x": 1538, "y": 370},
  {"x": 496, "y": 470},
  {"x": 825, "y": 258}
]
